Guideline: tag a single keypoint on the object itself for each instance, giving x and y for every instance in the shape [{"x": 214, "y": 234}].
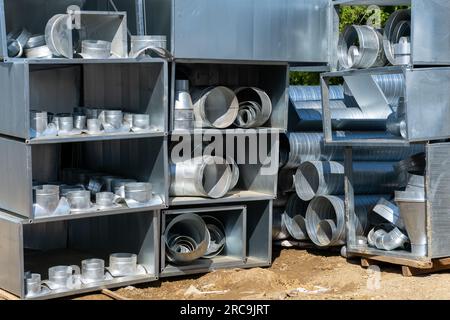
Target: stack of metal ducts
[
  {"x": 345, "y": 113},
  {"x": 312, "y": 175}
]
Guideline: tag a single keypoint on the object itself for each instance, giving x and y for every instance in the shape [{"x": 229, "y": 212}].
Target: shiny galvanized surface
[
  {"x": 430, "y": 39},
  {"x": 59, "y": 86},
  {"x": 34, "y": 14},
  {"x": 271, "y": 78},
  {"x": 234, "y": 219},
  {"x": 427, "y": 102},
  {"x": 262, "y": 30},
  {"x": 438, "y": 200},
  {"x": 11, "y": 255},
  {"x": 95, "y": 237},
  {"x": 142, "y": 159},
  {"x": 16, "y": 177}
]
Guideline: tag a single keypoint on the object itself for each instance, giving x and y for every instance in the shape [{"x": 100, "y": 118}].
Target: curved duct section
[
  {"x": 205, "y": 176},
  {"x": 317, "y": 178},
  {"x": 309, "y": 146},
  {"x": 215, "y": 107},
  {"x": 294, "y": 217},
  {"x": 325, "y": 219},
  {"x": 387, "y": 241}
]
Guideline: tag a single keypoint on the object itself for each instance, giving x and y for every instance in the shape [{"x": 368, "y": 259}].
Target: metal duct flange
[
  {"x": 393, "y": 31},
  {"x": 42, "y": 52},
  {"x": 79, "y": 200},
  {"x": 47, "y": 197},
  {"x": 93, "y": 270},
  {"x": 215, "y": 107},
  {"x": 369, "y": 52},
  {"x": 205, "y": 176},
  {"x": 294, "y": 217},
  {"x": 156, "y": 44},
  {"x": 122, "y": 264},
  {"x": 95, "y": 49},
  {"x": 186, "y": 238},
  {"x": 255, "y": 107},
  {"x": 316, "y": 178}
]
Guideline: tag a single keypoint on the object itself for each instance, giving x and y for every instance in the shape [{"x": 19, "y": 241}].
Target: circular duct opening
[
  {"x": 325, "y": 232},
  {"x": 307, "y": 181},
  {"x": 220, "y": 107},
  {"x": 216, "y": 179}
]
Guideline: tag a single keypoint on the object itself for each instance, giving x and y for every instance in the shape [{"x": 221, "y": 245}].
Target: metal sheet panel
[
  {"x": 266, "y": 30},
  {"x": 134, "y": 87},
  {"x": 428, "y": 104},
  {"x": 11, "y": 257},
  {"x": 438, "y": 190},
  {"x": 15, "y": 177},
  {"x": 14, "y": 110},
  {"x": 259, "y": 231},
  {"x": 430, "y": 25}
]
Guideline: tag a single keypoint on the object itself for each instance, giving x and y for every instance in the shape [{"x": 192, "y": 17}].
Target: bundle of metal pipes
[{"x": 311, "y": 178}]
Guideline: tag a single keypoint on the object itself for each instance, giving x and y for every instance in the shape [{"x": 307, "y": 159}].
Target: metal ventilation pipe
[
  {"x": 310, "y": 146},
  {"x": 294, "y": 217},
  {"x": 352, "y": 119},
  {"x": 279, "y": 230},
  {"x": 205, "y": 176},
  {"x": 387, "y": 241},
  {"x": 215, "y": 107},
  {"x": 314, "y": 93},
  {"x": 325, "y": 219},
  {"x": 397, "y": 26},
  {"x": 361, "y": 47},
  {"x": 318, "y": 178}
]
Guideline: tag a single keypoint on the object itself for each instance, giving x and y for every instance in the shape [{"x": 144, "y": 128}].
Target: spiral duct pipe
[
  {"x": 341, "y": 119},
  {"x": 325, "y": 219},
  {"x": 361, "y": 47},
  {"x": 392, "y": 85},
  {"x": 314, "y": 93},
  {"x": 318, "y": 178},
  {"x": 310, "y": 146},
  {"x": 294, "y": 217}
]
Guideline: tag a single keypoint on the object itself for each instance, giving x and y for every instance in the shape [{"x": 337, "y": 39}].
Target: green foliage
[{"x": 348, "y": 15}]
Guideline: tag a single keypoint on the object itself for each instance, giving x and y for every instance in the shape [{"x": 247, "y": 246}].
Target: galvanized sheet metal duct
[
  {"x": 393, "y": 32},
  {"x": 294, "y": 217},
  {"x": 314, "y": 93},
  {"x": 331, "y": 209},
  {"x": 309, "y": 146},
  {"x": 279, "y": 230},
  {"x": 341, "y": 119},
  {"x": 317, "y": 178},
  {"x": 187, "y": 238},
  {"x": 205, "y": 176},
  {"x": 361, "y": 47},
  {"x": 215, "y": 107}
]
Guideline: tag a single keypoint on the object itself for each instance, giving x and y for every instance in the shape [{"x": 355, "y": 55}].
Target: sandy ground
[{"x": 297, "y": 274}]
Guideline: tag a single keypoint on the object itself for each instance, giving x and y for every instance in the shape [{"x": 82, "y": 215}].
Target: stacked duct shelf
[
  {"x": 408, "y": 224},
  {"x": 84, "y": 154},
  {"x": 425, "y": 217}
]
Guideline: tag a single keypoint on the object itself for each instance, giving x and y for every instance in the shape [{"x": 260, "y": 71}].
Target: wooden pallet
[
  {"x": 409, "y": 267},
  {"x": 111, "y": 294}
]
